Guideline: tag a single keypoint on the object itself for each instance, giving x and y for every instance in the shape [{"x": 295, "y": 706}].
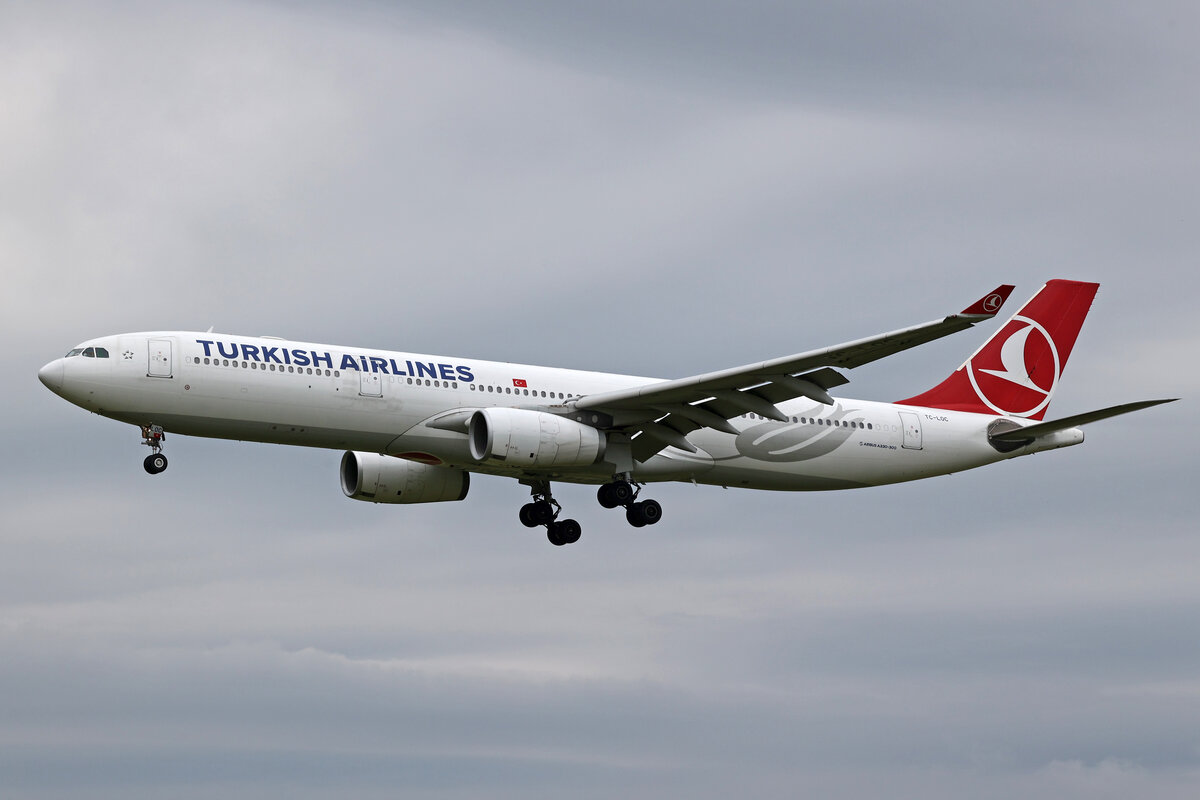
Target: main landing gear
[
  {"x": 544, "y": 510},
  {"x": 621, "y": 492},
  {"x": 153, "y": 437}
]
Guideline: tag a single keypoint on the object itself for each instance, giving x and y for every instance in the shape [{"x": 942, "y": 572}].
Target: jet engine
[
  {"x": 377, "y": 478},
  {"x": 522, "y": 438}
]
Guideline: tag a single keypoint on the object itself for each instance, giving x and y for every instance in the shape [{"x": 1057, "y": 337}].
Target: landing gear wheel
[
  {"x": 617, "y": 493},
  {"x": 635, "y": 517},
  {"x": 541, "y": 512},
  {"x": 651, "y": 511},
  {"x": 565, "y": 532},
  {"x": 526, "y": 515},
  {"x": 605, "y": 496},
  {"x": 155, "y": 463}
]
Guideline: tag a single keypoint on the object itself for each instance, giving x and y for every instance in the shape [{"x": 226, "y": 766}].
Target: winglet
[{"x": 990, "y": 303}]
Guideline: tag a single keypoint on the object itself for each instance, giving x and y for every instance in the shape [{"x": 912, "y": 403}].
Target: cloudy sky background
[{"x": 655, "y": 189}]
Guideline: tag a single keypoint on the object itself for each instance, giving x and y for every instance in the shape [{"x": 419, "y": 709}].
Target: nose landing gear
[
  {"x": 153, "y": 437},
  {"x": 544, "y": 510},
  {"x": 621, "y": 492}
]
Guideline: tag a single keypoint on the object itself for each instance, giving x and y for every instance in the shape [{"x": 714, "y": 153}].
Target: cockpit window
[{"x": 88, "y": 352}]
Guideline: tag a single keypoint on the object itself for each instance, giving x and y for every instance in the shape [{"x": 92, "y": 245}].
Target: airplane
[{"x": 415, "y": 427}]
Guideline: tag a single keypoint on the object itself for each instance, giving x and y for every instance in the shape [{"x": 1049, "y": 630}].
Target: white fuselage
[{"x": 347, "y": 398}]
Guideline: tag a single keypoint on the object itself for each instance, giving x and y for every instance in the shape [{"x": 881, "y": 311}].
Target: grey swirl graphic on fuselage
[{"x": 798, "y": 441}]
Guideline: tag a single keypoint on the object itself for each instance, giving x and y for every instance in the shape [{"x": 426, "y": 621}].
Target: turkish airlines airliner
[{"x": 415, "y": 427}]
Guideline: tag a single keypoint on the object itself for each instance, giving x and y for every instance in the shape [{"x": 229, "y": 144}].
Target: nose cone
[{"x": 52, "y": 376}]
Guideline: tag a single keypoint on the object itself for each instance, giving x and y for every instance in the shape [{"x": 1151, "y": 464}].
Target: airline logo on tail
[
  {"x": 1026, "y": 389},
  {"x": 993, "y": 301},
  {"x": 1016, "y": 371}
]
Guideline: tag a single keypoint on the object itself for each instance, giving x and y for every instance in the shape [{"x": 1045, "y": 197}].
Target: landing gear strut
[
  {"x": 621, "y": 492},
  {"x": 153, "y": 437},
  {"x": 544, "y": 510}
]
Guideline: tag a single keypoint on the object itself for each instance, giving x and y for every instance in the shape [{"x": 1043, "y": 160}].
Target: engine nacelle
[
  {"x": 518, "y": 437},
  {"x": 377, "y": 478}
]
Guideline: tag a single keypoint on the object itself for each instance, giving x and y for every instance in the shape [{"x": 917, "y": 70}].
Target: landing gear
[
  {"x": 621, "y": 492},
  {"x": 565, "y": 532},
  {"x": 644, "y": 513},
  {"x": 544, "y": 510},
  {"x": 617, "y": 493},
  {"x": 539, "y": 512},
  {"x": 153, "y": 437}
]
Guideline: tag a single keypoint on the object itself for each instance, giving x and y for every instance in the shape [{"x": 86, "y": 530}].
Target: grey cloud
[{"x": 655, "y": 190}]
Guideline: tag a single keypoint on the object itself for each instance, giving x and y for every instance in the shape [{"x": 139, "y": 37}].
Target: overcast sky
[{"x": 651, "y": 188}]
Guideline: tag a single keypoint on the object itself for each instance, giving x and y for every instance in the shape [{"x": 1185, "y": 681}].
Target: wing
[{"x": 661, "y": 414}]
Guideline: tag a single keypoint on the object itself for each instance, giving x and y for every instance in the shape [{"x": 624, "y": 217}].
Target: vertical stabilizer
[{"x": 1016, "y": 371}]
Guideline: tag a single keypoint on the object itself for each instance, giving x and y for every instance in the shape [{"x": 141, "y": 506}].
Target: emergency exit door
[
  {"x": 370, "y": 384},
  {"x": 159, "y": 353},
  {"x": 911, "y": 423}
]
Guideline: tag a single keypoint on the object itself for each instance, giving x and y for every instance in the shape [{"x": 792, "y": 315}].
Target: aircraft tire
[
  {"x": 635, "y": 515},
  {"x": 541, "y": 512},
  {"x": 621, "y": 492},
  {"x": 651, "y": 511},
  {"x": 569, "y": 531},
  {"x": 155, "y": 463},
  {"x": 605, "y": 496},
  {"x": 526, "y": 515}
]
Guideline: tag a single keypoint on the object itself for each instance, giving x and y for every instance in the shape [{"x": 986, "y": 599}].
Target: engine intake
[
  {"x": 522, "y": 438},
  {"x": 377, "y": 478}
]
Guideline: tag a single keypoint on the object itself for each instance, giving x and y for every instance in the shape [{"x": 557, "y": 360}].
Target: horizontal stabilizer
[{"x": 1043, "y": 428}]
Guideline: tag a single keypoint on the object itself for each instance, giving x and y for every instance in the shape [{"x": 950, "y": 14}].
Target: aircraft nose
[{"x": 52, "y": 376}]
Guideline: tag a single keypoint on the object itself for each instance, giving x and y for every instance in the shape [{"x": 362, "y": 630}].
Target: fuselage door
[
  {"x": 159, "y": 352},
  {"x": 911, "y": 423},
  {"x": 370, "y": 384}
]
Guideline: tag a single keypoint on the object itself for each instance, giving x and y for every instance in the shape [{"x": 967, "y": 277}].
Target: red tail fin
[{"x": 1017, "y": 370}]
